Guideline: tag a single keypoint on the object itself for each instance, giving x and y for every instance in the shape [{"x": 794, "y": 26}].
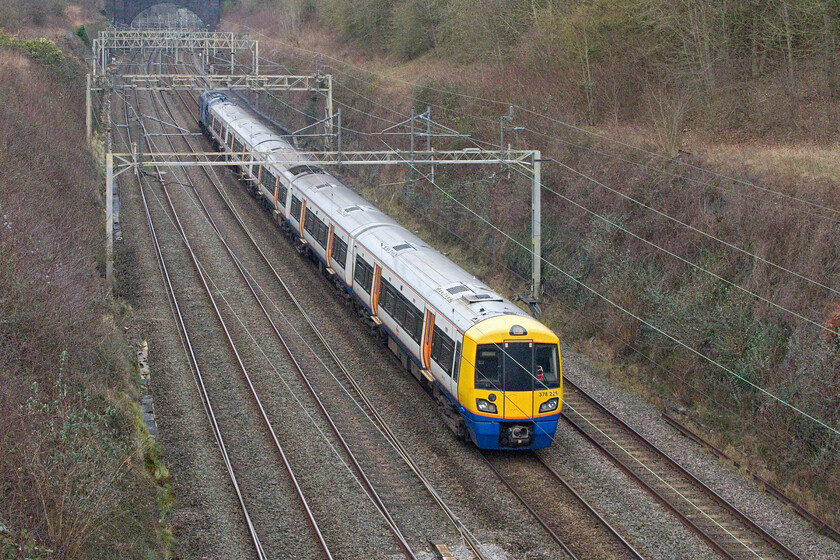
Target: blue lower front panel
[{"x": 486, "y": 434}]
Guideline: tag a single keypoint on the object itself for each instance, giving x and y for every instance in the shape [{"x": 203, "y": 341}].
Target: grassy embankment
[
  {"x": 709, "y": 159},
  {"x": 79, "y": 475}
]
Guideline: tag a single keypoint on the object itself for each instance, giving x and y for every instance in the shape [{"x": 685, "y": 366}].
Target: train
[{"x": 494, "y": 371}]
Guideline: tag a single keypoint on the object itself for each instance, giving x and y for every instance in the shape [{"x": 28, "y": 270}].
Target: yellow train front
[
  {"x": 494, "y": 370},
  {"x": 510, "y": 387}
]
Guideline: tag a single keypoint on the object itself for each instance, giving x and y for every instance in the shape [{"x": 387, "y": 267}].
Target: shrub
[
  {"x": 415, "y": 25},
  {"x": 40, "y": 49},
  {"x": 82, "y": 34}
]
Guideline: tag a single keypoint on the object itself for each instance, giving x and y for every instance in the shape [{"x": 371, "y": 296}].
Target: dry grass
[
  {"x": 46, "y": 18},
  {"x": 12, "y": 62},
  {"x": 832, "y": 322},
  {"x": 797, "y": 163}
]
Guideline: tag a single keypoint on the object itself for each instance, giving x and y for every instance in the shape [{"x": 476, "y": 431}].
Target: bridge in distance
[{"x": 123, "y": 12}]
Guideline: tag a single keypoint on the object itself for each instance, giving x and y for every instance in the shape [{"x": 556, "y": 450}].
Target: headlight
[
  {"x": 549, "y": 405},
  {"x": 485, "y": 406}
]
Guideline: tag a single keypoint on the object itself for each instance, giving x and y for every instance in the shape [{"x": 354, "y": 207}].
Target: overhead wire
[
  {"x": 575, "y": 313},
  {"x": 677, "y": 491},
  {"x": 576, "y": 145},
  {"x": 251, "y": 280},
  {"x": 596, "y": 293},
  {"x": 193, "y": 364},
  {"x": 662, "y": 214},
  {"x": 523, "y": 247},
  {"x": 668, "y": 252},
  {"x": 697, "y": 230},
  {"x": 692, "y": 180},
  {"x": 732, "y": 373},
  {"x": 190, "y": 193},
  {"x": 691, "y": 386},
  {"x": 550, "y": 119},
  {"x": 758, "y": 257},
  {"x": 536, "y": 379},
  {"x": 615, "y": 191},
  {"x": 646, "y": 357},
  {"x": 301, "y": 112}
]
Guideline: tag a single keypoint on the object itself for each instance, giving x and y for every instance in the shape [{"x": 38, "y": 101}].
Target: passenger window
[
  {"x": 363, "y": 274},
  {"x": 386, "y": 298},
  {"x": 295, "y": 210},
  {"x": 318, "y": 229},
  {"x": 268, "y": 180},
  {"x": 339, "y": 250},
  {"x": 443, "y": 349},
  {"x": 281, "y": 195},
  {"x": 403, "y": 311}
]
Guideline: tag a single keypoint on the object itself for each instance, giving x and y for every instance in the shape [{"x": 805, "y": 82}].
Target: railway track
[
  {"x": 819, "y": 524},
  {"x": 722, "y": 525},
  {"x": 168, "y": 212},
  {"x": 259, "y": 297},
  {"x": 557, "y": 507},
  {"x": 588, "y": 543},
  {"x": 570, "y": 520},
  {"x": 372, "y": 452},
  {"x": 366, "y": 429},
  {"x": 195, "y": 368},
  {"x": 217, "y": 414},
  {"x": 719, "y": 523}
]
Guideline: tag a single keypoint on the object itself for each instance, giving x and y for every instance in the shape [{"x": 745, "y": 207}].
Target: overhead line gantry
[
  {"x": 529, "y": 160},
  {"x": 213, "y": 46}
]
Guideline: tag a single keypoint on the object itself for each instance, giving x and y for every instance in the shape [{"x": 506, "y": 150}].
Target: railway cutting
[{"x": 490, "y": 369}]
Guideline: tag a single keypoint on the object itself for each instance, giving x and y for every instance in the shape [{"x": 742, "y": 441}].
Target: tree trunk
[
  {"x": 754, "y": 47},
  {"x": 830, "y": 77},
  {"x": 788, "y": 41},
  {"x": 586, "y": 75}
]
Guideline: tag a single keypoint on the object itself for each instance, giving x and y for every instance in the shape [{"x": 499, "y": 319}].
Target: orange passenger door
[
  {"x": 374, "y": 292},
  {"x": 426, "y": 354}
]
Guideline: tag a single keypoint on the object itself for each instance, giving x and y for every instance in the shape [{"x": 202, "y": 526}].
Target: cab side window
[
  {"x": 546, "y": 366},
  {"x": 488, "y": 367}
]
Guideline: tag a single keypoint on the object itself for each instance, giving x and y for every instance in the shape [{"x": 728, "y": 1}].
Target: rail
[
  {"x": 470, "y": 540},
  {"x": 721, "y": 524}
]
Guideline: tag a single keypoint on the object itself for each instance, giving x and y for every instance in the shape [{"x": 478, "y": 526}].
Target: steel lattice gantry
[
  {"x": 209, "y": 43},
  {"x": 530, "y": 160},
  {"x": 212, "y": 46},
  {"x": 520, "y": 158},
  {"x": 318, "y": 83},
  {"x": 245, "y": 82}
]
